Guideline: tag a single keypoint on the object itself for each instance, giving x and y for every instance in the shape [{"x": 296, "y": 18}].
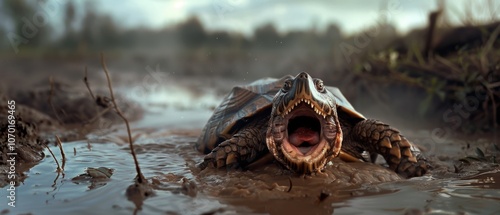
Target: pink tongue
[{"x": 303, "y": 135}]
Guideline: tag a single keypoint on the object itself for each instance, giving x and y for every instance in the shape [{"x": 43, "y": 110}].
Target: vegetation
[
  {"x": 456, "y": 70},
  {"x": 430, "y": 70}
]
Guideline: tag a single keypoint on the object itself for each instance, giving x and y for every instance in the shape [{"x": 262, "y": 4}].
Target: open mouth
[{"x": 303, "y": 136}]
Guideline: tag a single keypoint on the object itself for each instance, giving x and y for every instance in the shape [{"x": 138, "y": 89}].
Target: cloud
[{"x": 244, "y": 15}]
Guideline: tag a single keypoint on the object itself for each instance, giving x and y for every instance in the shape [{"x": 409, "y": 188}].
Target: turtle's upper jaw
[{"x": 304, "y": 132}]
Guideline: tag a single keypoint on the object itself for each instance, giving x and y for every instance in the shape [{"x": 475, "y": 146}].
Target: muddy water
[{"x": 164, "y": 143}]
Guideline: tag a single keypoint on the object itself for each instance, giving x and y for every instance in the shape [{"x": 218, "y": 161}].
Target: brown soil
[{"x": 41, "y": 113}]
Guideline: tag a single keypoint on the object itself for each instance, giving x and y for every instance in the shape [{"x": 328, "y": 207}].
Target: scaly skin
[
  {"x": 243, "y": 148},
  {"x": 377, "y": 137},
  {"x": 350, "y": 132},
  {"x": 368, "y": 135}
]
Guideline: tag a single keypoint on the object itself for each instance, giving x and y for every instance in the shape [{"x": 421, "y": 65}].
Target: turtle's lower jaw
[
  {"x": 304, "y": 140},
  {"x": 312, "y": 156}
]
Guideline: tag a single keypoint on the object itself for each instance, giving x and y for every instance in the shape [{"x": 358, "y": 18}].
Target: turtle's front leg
[
  {"x": 401, "y": 156},
  {"x": 238, "y": 151}
]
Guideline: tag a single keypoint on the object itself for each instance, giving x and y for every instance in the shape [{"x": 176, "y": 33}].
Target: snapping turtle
[{"x": 304, "y": 124}]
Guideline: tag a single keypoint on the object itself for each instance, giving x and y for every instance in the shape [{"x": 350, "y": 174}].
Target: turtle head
[{"x": 304, "y": 131}]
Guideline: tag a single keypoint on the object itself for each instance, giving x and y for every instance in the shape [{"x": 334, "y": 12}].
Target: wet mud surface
[
  {"x": 169, "y": 162},
  {"x": 164, "y": 136}
]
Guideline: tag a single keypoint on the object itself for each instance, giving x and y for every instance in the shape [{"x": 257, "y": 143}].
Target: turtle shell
[
  {"x": 248, "y": 101},
  {"x": 343, "y": 105}
]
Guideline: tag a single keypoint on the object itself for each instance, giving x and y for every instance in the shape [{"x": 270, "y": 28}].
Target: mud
[
  {"x": 28, "y": 148},
  {"x": 273, "y": 190},
  {"x": 168, "y": 161},
  {"x": 461, "y": 181},
  {"x": 69, "y": 105},
  {"x": 41, "y": 113}
]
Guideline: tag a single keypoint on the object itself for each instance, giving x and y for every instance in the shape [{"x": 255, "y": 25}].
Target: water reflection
[{"x": 167, "y": 158}]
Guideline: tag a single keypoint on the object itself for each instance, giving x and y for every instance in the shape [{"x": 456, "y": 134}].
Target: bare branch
[
  {"x": 140, "y": 177},
  {"x": 59, "y": 143},
  {"x": 57, "y": 162},
  {"x": 86, "y": 81}
]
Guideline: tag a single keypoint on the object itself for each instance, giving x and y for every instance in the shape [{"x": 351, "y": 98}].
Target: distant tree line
[{"x": 22, "y": 27}]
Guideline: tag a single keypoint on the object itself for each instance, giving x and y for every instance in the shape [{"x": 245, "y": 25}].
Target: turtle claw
[
  {"x": 220, "y": 163},
  {"x": 218, "y": 159},
  {"x": 401, "y": 156},
  {"x": 235, "y": 152},
  {"x": 408, "y": 169},
  {"x": 230, "y": 162},
  {"x": 209, "y": 161}
]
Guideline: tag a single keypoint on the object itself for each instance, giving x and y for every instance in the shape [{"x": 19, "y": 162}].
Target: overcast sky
[{"x": 244, "y": 15}]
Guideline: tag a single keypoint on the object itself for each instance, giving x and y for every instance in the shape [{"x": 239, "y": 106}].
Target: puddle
[{"x": 165, "y": 150}]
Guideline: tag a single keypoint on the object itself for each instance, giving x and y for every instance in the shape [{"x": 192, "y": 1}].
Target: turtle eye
[
  {"x": 319, "y": 85},
  {"x": 287, "y": 86}
]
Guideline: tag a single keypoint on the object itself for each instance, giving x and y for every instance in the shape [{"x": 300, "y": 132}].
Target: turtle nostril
[{"x": 303, "y": 75}]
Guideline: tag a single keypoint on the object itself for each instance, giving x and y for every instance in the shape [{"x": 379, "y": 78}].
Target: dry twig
[
  {"x": 86, "y": 81},
  {"x": 140, "y": 176},
  {"x": 57, "y": 162},
  {"x": 59, "y": 143},
  {"x": 88, "y": 145}
]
